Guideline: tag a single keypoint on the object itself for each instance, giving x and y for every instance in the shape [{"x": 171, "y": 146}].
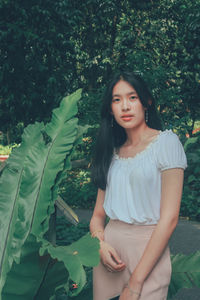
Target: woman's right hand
[{"x": 110, "y": 258}]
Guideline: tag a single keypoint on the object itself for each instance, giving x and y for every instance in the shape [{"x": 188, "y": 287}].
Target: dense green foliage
[
  {"x": 78, "y": 190},
  {"x": 66, "y": 233},
  {"x": 51, "y": 48},
  {"x": 6, "y": 150},
  {"x": 191, "y": 197},
  {"x": 185, "y": 272}
]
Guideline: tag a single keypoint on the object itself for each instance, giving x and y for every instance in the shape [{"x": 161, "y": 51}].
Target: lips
[{"x": 127, "y": 117}]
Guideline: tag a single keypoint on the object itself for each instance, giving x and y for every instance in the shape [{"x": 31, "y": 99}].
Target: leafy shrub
[
  {"x": 78, "y": 190},
  {"x": 191, "y": 197},
  {"x": 67, "y": 233},
  {"x": 6, "y": 150},
  {"x": 84, "y": 149}
]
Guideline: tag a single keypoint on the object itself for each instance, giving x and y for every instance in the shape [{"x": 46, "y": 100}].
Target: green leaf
[
  {"x": 36, "y": 277},
  {"x": 31, "y": 171},
  {"x": 13, "y": 230},
  {"x": 75, "y": 256},
  {"x": 67, "y": 163},
  {"x": 24, "y": 279},
  {"x": 190, "y": 141},
  {"x": 185, "y": 272},
  {"x": 191, "y": 178},
  {"x": 55, "y": 278},
  {"x": 63, "y": 131}
]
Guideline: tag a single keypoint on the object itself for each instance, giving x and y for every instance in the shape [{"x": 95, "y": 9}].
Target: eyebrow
[{"x": 131, "y": 93}]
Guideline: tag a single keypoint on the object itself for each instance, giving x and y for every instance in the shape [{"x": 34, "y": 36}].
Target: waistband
[{"x": 130, "y": 229}]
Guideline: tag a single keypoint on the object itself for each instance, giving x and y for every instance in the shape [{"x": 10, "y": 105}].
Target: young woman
[{"x": 139, "y": 173}]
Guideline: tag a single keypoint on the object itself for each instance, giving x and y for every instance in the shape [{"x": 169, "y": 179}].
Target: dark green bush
[
  {"x": 190, "y": 206},
  {"x": 77, "y": 190},
  {"x": 67, "y": 233}
]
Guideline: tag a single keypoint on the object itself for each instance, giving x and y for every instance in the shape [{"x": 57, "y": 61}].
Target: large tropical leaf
[
  {"x": 36, "y": 277},
  {"x": 62, "y": 131},
  {"x": 39, "y": 276},
  {"x": 56, "y": 277},
  {"x": 24, "y": 279},
  {"x": 67, "y": 164},
  {"x": 13, "y": 231},
  {"x": 75, "y": 256},
  {"x": 31, "y": 172},
  {"x": 185, "y": 272}
]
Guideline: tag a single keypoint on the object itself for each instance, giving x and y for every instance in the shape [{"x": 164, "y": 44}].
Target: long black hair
[{"x": 111, "y": 135}]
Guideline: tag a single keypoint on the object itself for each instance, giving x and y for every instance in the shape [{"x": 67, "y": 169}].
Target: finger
[
  {"x": 116, "y": 257},
  {"x": 113, "y": 265},
  {"x": 120, "y": 268},
  {"x": 116, "y": 269}
]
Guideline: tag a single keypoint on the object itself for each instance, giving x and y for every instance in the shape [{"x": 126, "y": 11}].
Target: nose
[{"x": 125, "y": 105}]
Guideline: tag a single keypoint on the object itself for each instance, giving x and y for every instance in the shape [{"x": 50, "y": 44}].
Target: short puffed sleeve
[{"x": 170, "y": 152}]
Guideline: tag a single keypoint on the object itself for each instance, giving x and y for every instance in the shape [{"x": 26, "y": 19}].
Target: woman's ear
[{"x": 149, "y": 102}]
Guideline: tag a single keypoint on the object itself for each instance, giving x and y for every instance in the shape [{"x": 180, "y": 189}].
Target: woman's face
[{"x": 126, "y": 107}]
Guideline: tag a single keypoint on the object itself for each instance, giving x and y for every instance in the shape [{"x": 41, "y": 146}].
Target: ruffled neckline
[{"x": 121, "y": 158}]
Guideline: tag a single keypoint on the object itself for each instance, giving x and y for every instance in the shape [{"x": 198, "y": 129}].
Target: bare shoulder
[{"x": 152, "y": 133}]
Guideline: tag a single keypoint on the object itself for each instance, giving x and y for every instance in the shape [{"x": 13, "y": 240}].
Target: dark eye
[
  {"x": 133, "y": 97},
  {"x": 115, "y": 100}
]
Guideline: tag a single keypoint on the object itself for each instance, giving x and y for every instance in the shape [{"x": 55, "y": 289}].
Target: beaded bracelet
[{"x": 132, "y": 291}]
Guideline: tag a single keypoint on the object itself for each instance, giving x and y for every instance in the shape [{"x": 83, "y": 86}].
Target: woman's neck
[{"x": 137, "y": 135}]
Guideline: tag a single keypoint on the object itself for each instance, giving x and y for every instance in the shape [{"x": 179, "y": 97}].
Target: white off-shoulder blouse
[{"x": 133, "y": 191}]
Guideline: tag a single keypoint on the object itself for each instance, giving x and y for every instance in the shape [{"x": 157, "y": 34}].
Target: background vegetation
[{"x": 50, "y": 48}]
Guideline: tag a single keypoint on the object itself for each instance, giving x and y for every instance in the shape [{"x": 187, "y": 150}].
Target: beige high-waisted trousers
[{"x": 130, "y": 241}]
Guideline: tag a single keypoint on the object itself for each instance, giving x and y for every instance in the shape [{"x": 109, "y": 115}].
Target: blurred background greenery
[{"x": 51, "y": 48}]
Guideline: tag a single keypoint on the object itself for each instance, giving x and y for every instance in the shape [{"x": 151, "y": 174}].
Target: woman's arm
[
  {"x": 172, "y": 184},
  {"x": 97, "y": 222},
  {"x": 109, "y": 256}
]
